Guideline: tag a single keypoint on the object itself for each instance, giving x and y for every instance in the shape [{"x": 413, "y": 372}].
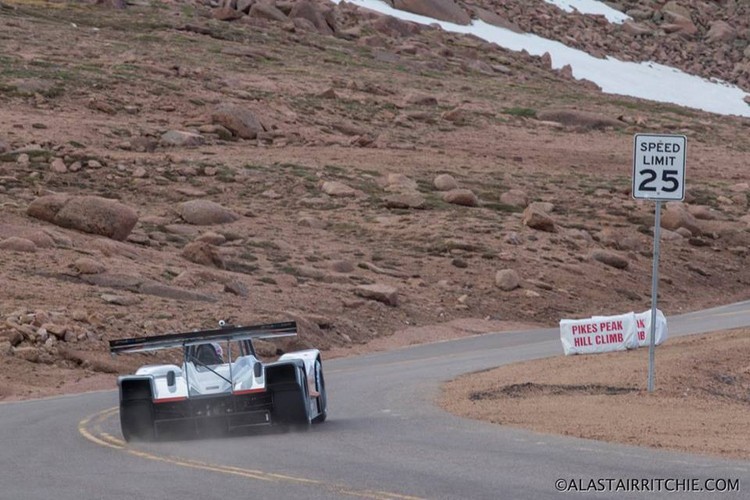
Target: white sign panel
[
  {"x": 643, "y": 327},
  {"x": 598, "y": 334},
  {"x": 659, "y": 167}
]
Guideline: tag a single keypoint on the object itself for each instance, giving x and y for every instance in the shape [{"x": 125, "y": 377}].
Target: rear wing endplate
[{"x": 226, "y": 333}]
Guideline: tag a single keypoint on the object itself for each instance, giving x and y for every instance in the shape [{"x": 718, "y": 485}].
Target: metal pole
[{"x": 654, "y": 296}]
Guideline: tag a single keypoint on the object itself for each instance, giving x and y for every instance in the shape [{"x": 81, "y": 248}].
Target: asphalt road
[{"x": 384, "y": 439}]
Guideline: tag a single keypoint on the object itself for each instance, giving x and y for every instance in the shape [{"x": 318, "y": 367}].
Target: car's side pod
[
  {"x": 136, "y": 408},
  {"x": 287, "y": 382}
]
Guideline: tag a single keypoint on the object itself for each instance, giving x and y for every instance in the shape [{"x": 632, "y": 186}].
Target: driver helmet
[{"x": 218, "y": 349}]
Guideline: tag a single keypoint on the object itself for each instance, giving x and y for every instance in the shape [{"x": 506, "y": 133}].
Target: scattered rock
[
  {"x": 422, "y": 100},
  {"x": 47, "y": 207},
  {"x": 213, "y": 238},
  {"x": 507, "y": 280},
  {"x": 515, "y": 198},
  {"x": 261, "y": 10},
  {"x": 457, "y": 116},
  {"x": 179, "y": 138},
  {"x": 576, "y": 118},
  {"x": 513, "y": 238},
  {"x": 237, "y": 288},
  {"x": 309, "y": 11},
  {"x": 382, "y": 293},
  {"x": 329, "y": 93},
  {"x": 310, "y": 272},
  {"x": 610, "y": 258},
  {"x": 444, "y": 10},
  {"x": 536, "y": 219},
  {"x": 312, "y": 222},
  {"x": 636, "y": 29},
  {"x": 676, "y": 216},
  {"x": 404, "y": 201},
  {"x": 16, "y": 244},
  {"x": 544, "y": 206},
  {"x": 6, "y": 348},
  {"x": 464, "y": 197},
  {"x": 204, "y": 254},
  {"x": 445, "y": 182},
  {"x": 721, "y": 32},
  {"x": 205, "y": 213},
  {"x": 90, "y": 214},
  {"x": 394, "y": 27},
  {"x": 459, "y": 263},
  {"x": 58, "y": 166},
  {"x": 400, "y": 183},
  {"x": 338, "y": 189},
  {"x": 226, "y": 14},
  {"x": 242, "y": 122},
  {"x": 342, "y": 266},
  {"x": 170, "y": 292},
  {"x": 86, "y": 265}
]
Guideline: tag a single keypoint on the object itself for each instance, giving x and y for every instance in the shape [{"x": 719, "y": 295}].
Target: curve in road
[{"x": 385, "y": 439}]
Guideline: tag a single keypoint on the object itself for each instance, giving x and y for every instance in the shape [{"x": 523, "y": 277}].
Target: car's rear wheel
[
  {"x": 322, "y": 399},
  {"x": 291, "y": 403},
  {"x": 137, "y": 420}
]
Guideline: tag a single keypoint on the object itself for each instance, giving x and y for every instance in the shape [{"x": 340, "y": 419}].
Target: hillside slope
[{"x": 269, "y": 168}]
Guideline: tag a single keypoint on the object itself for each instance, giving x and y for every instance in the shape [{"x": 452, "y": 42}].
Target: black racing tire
[
  {"x": 291, "y": 406},
  {"x": 322, "y": 400},
  {"x": 137, "y": 421}
]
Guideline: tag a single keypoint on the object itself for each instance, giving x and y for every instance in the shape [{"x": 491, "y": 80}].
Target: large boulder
[
  {"x": 676, "y": 216},
  {"x": 404, "y": 200},
  {"x": 313, "y": 13},
  {"x": 267, "y": 11},
  {"x": 444, "y": 10},
  {"x": 611, "y": 259},
  {"x": 46, "y": 207},
  {"x": 400, "y": 183},
  {"x": 181, "y": 138},
  {"x": 464, "y": 197},
  {"x": 90, "y": 214},
  {"x": 16, "y": 244},
  {"x": 445, "y": 182},
  {"x": 721, "y": 32},
  {"x": 204, "y": 254},
  {"x": 539, "y": 220},
  {"x": 338, "y": 189},
  {"x": 392, "y": 26},
  {"x": 515, "y": 198},
  {"x": 580, "y": 119},
  {"x": 242, "y": 122},
  {"x": 507, "y": 280},
  {"x": 205, "y": 213},
  {"x": 382, "y": 293}
]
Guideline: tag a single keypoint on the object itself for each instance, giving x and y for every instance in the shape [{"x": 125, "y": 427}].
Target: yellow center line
[{"x": 90, "y": 428}]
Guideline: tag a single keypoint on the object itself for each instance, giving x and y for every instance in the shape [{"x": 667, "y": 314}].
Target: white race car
[{"x": 221, "y": 384}]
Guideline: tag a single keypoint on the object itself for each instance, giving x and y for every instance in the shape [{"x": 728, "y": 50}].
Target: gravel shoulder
[{"x": 699, "y": 405}]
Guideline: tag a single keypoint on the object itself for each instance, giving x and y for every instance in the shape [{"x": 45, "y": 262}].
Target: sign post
[{"x": 658, "y": 175}]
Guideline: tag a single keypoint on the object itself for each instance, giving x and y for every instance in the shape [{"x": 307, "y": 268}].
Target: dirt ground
[
  {"x": 700, "y": 402},
  {"x": 88, "y": 97}
]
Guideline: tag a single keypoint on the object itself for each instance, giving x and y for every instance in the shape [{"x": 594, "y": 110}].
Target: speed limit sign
[{"x": 659, "y": 167}]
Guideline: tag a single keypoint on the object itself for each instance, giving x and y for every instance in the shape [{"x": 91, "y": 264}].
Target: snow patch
[
  {"x": 645, "y": 80},
  {"x": 591, "y": 7}
]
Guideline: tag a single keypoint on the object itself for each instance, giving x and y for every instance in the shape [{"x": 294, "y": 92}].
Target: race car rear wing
[{"x": 231, "y": 333}]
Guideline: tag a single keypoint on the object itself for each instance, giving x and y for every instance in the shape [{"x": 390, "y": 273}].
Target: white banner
[
  {"x": 643, "y": 328},
  {"x": 599, "y": 334}
]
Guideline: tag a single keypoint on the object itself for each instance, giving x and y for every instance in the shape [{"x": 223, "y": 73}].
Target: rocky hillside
[
  {"x": 169, "y": 165},
  {"x": 706, "y": 38}
]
